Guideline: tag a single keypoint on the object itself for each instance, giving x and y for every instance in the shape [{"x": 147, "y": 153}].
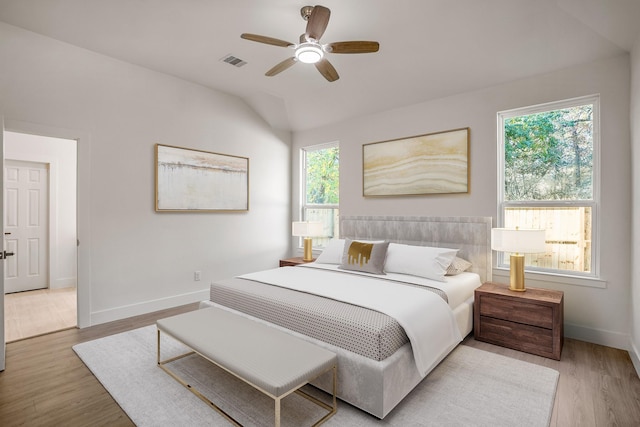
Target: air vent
[{"x": 236, "y": 62}]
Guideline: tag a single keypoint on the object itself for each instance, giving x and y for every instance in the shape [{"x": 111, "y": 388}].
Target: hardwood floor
[
  {"x": 32, "y": 313},
  {"x": 46, "y": 384},
  {"x": 598, "y": 385}
]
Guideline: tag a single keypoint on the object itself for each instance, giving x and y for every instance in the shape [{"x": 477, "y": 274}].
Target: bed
[{"x": 384, "y": 348}]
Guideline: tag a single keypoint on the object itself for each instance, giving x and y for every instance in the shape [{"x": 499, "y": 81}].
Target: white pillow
[
  {"x": 332, "y": 252},
  {"x": 422, "y": 261}
]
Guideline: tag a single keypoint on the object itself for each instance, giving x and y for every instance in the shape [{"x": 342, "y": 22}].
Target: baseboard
[
  {"x": 145, "y": 307},
  {"x": 597, "y": 336},
  {"x": 635, "y": 357},
  {"x": 67, "y": 282}
]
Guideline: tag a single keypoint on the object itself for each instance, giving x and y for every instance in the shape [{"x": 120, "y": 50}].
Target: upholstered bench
[{"x": 270, "y": 360}]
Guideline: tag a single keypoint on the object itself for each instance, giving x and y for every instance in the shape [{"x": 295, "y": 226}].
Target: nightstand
[
  {"x": 290, "y": 262},
  {"x": 530, "y": 321}
]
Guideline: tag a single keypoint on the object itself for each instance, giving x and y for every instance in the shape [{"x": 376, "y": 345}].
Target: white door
[{"x": 26, "y": 231}]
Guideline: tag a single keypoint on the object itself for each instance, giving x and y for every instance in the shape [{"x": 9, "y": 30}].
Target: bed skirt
[{"x": 373, "y": 386}]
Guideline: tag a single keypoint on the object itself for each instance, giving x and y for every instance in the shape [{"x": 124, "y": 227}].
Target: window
[
  {"x": 548, "y": 179},
  {"x": 320, "y": 188}
]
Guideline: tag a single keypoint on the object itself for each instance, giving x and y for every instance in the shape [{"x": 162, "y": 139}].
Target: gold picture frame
[
  {"x": 189, "y": 180},
  {"x": 434, "y": 163}
]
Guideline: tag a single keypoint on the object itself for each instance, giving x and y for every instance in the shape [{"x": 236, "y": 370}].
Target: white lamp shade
[
  {"x": 518, "y": 241},
  {"x": 306, "y": 228}
]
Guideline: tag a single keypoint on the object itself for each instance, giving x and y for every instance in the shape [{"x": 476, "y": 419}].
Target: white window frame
[
  {"x": 303, "y": 185},
  {"x": 593, "y": 204}
]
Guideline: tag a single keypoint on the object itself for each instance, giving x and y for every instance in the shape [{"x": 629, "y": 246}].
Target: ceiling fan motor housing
[{"x": 306, "y": 12}]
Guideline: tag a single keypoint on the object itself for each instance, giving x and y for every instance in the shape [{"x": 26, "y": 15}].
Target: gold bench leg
[
  {"x": 188, "y": 386},
  {"x": 331, "y": 408}
]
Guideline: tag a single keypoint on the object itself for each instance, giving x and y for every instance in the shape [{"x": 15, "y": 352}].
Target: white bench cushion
[{"x": 268, "y": 358}]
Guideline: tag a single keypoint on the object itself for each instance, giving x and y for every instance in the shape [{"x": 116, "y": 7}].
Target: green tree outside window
[{"x": 323, "y": 176}]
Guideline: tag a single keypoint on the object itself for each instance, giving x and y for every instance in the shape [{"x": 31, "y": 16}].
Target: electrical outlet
[{"x": 196, "y": 275}]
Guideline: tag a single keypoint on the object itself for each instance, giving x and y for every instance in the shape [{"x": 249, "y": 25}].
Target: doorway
[{"x": 40, "y": 176}]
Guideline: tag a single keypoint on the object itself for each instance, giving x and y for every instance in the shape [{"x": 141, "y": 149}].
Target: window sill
[{"x": 538, "y": 279}]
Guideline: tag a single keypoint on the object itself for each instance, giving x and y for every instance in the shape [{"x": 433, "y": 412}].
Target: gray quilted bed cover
[{"x": 361, "y": 330}]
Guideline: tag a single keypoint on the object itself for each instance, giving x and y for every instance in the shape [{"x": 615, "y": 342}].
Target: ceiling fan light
[{"x": 309, "y": 53}]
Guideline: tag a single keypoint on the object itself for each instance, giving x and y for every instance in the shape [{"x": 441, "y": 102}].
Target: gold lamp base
[
  {"x": 516, "y": 273},
  {"x": 308, "y": 250}
]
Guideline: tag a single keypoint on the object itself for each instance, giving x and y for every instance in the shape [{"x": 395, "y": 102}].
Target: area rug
[{"x": 470, "y": 387}]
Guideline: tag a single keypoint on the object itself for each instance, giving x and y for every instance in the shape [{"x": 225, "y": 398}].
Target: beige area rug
[{"x": 470, "y": 387}]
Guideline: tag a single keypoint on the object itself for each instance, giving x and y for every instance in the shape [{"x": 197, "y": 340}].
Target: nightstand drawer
[
  {"x": 531, "y": 339},
  {"x": 514, "y": 310}
]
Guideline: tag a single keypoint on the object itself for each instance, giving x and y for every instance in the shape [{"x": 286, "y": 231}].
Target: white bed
[{"x": 377, "y": 385}]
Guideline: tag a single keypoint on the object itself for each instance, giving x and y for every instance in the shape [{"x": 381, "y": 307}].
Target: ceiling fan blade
[
  {"x": 278, "y": 68},
  {"x": 353, "y": 47},
  {"x": 317, "y": 22},
  {"x": 327, "y": 70},
  {"x": 265, "y": 40}
]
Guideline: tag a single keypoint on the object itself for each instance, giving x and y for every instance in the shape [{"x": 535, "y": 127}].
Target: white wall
[
  {"x": 131, "y": 259},
  {"x": 591, "y": 313},
  {"x": 60, "y": 155},
  {"x": 635, "y": 250}
]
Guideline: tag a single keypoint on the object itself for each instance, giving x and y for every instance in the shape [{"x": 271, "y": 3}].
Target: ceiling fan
[{"x": 310, "y": 50}]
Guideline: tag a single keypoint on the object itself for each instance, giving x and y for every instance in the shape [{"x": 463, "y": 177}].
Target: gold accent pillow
[{"x": 367, "y": 257}]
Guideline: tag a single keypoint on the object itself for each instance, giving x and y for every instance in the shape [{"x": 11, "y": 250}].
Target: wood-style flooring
[
  {"x": 42, "y": 311},
  {"x": 46, "y": 384}
]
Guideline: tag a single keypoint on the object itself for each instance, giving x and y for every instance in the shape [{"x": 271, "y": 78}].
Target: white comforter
[{"x": 426, "y": 318}]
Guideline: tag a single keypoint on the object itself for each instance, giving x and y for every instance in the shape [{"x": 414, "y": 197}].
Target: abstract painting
[
  {"x": 194, "y": 180},
  {"x": 435, "y": 163}
]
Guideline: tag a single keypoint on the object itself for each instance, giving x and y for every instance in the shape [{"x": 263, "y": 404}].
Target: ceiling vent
[{"x": 236, "y": 62}]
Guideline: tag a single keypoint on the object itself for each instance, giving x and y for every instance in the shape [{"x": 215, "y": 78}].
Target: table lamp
[
  {"x": 517, "y": 242},
  {"x": 307, "y": 229}
]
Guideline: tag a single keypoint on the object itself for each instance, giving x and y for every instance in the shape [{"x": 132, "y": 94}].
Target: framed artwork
[
  {"x": 435, "y": 163},
  {"x": 194, "y": 181}
]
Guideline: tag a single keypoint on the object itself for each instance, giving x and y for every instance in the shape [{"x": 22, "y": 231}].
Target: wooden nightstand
[
  {"x": 530, "y": 321},
  {"x": 290, "y": 262}
]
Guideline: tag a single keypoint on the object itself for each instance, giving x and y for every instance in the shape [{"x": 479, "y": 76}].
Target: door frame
[
  {"x": 2, "y": 314},
  {"x": 83, "y": 205}
]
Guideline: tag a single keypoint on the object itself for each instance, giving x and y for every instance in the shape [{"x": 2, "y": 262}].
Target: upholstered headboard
[{"x": 470, "y": 235}]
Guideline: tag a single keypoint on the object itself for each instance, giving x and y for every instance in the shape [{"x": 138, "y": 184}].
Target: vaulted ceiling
[{"x": 428, "y": 48}]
